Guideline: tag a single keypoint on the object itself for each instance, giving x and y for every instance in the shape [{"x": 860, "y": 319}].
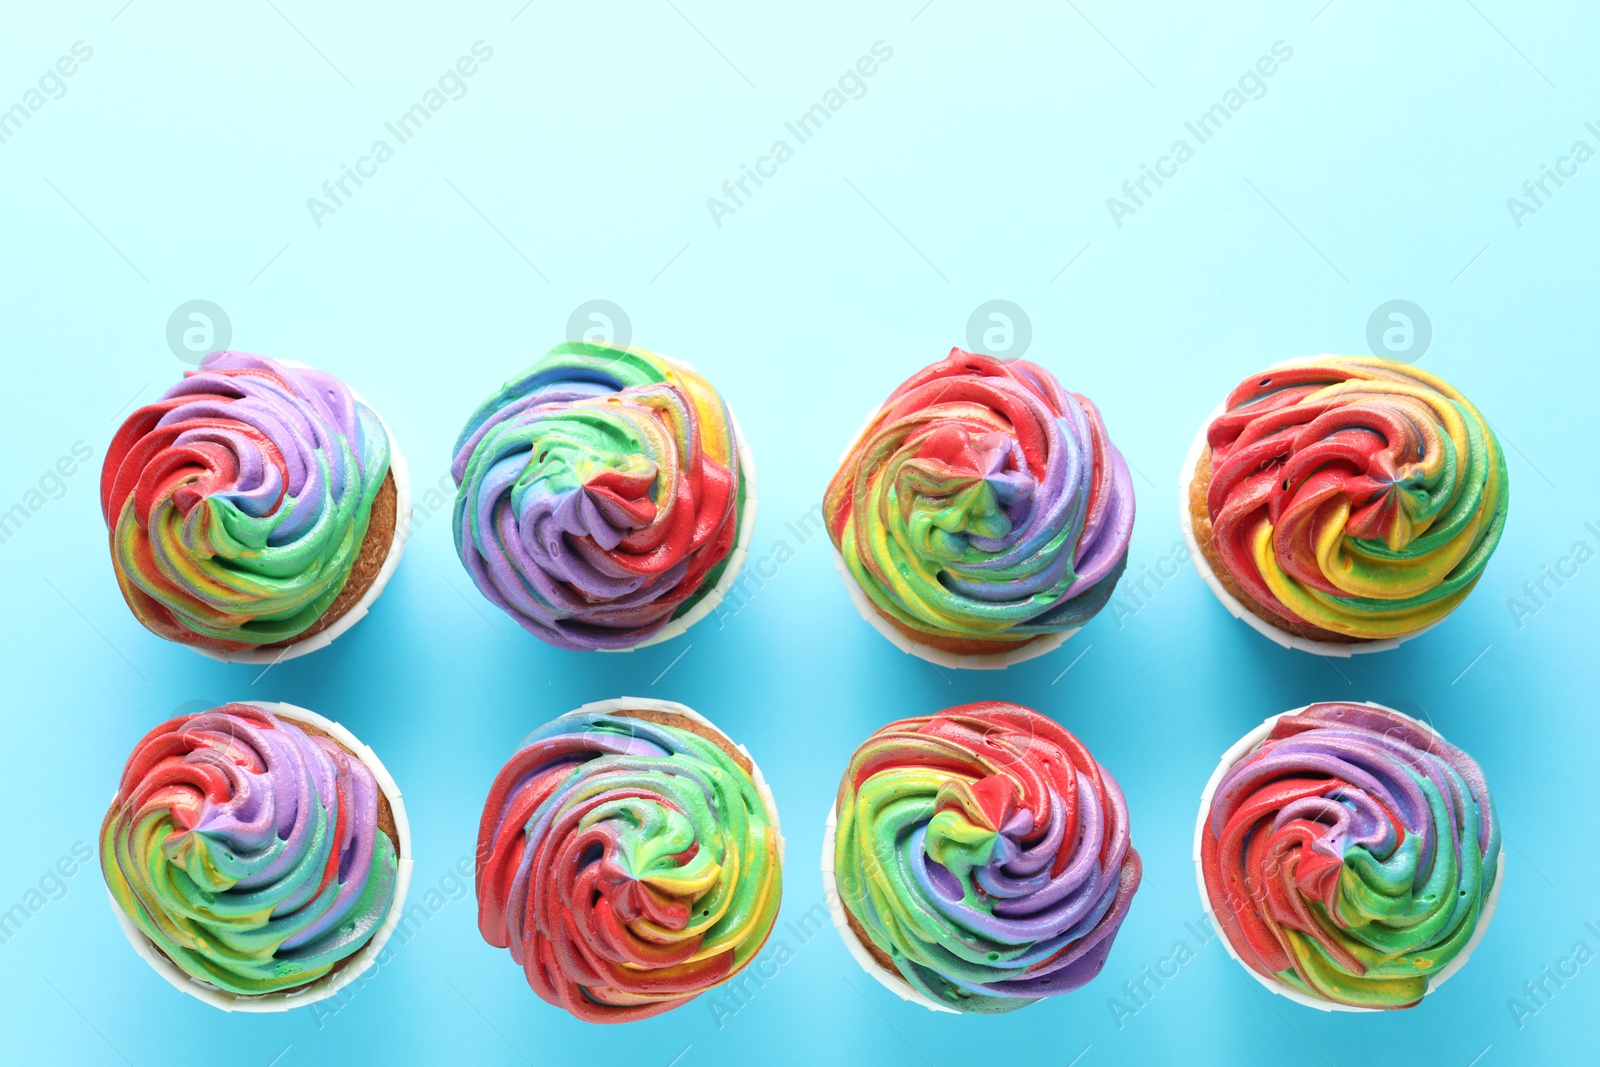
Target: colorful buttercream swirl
[
  {"x": 1358, "y": 495},
  {"x": 983, "y": 502},
  {"x": 239, "y": 501},
  {"x": 248, "y": 851},
  {"x": 629, "y": 865},
  {"x": 1351, "y": 854},
  {"x": 600, "y": 495},
  {"x": 986, "y": 853}
]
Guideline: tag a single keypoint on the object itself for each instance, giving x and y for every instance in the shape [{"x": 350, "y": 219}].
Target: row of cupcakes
[
  {"x": 606, "y": 499},
  {"x": 630, "y": 857}
]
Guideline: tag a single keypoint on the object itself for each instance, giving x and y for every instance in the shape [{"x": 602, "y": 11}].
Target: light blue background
[{"x": 976, "y": 166}]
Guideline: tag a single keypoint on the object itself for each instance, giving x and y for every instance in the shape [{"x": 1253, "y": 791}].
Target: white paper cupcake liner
[
  {"x": 736, "y": 558},
  {"x": 890, "y": 980},
  {"x": 1280, "y": 637},
  {"x": 324, "y": 638},
  {"x": 1244, "y": 747},
  {"x": 988, "y": 661},
  {"x": 331, "y": 984},
  {"x": 620, "y": 706}
]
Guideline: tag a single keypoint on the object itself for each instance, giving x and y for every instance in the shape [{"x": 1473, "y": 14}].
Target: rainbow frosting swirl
[
  {"x": 1353, "y": 494},
  {"x": 629, "y": 864},
  {"x": 983, "y": 502},
  {"x": 986, "y": 853},
  {"x": 238, "y": 502},
  {"x": 248, "y": 851},
  {"x": 601, "y": 495},
  {"x": 1351, "y": 855}
]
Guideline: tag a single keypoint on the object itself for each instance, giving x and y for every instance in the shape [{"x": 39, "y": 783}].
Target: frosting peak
[
  {"x": 1351, "y": 855},
  {"x": 985, "y": 854},
  {"x": 983, "y": 502},
  {"x": 1357, "y": 495},
  {"x": 238, "y": 502},
  {"x": 600, "y": 495},
  {"x": 248, "y": 851},
  {"x": 629, "y": 864}
]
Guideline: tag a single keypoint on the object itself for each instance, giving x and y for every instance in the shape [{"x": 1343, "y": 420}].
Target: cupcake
[
  {"x": 630, "y": 858},
  {"x": 1345, "y": 503},
  {"x": 256, "y": 510},
  {"x": 1349, "y": 855},
  {"x": 257, "y": 855},
  {"x": 978, "y": 860},
  {"x": 605, "y": 498},
  {"x": 982, "y": 514}
]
